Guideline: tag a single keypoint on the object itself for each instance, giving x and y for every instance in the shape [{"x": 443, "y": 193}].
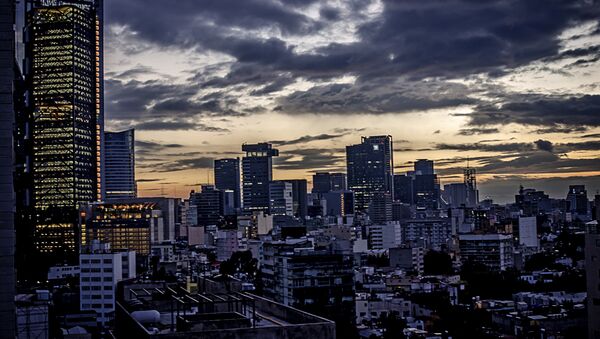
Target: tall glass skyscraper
[
  {"x": 227, "y": 177},
  {"x": 119, "y": 165},
  {"x": 64, "y": 77},
  {"x": 370, "y": 168},
  {"x": 7, "y": 202},
  {"x": 257, "y": 171}
]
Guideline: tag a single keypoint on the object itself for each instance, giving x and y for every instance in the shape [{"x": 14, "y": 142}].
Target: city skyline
[{"x": 510, "y": 85}]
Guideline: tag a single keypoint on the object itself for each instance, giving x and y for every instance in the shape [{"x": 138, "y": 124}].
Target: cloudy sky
[{"x": 512, "y": 85}]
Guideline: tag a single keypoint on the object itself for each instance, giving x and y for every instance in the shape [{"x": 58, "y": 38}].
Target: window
[
  {"x": 108, "y": 279},
  {"x": 108, "y": 261},
  {"x": 108, "y": 288}
]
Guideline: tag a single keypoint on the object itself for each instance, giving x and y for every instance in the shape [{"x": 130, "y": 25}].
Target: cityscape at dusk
[{"x": 394, "y": 169}]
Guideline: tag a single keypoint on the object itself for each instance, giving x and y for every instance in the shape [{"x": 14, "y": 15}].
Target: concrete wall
[{"x": 7, "y": 196}]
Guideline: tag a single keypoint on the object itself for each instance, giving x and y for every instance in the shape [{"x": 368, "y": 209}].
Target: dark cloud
[
  {"x": 540, "y": 110},
  {"x": 593, "y": 135},
  {"x": 180, "y": 165},
  {"x": 174, "y": 125},
  {"x": 309, "y": 159},
  {"x": 151, "y": 147},
  {"x": 307, "y": 138},
  {"x": 561, "y": 129},
  {"x": 382, "y": 96},
  {"x": 477, "y": 131},
  {"x": 544, "y": 145}
]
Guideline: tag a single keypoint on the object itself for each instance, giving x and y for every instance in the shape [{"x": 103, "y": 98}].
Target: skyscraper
[
  {"x": 578, "y": 201},
  {"x": 426, "y": 187},
  {"x": 257, "y": 171},
  {"x": 281, "y": 199},
  {"x": 227, "y": 177},
  {"x": 299, "y": 199},
  {"x": 324, "y": 182},
  {"x": 64, "y": 76},
  {"x": 370, "y": 168},
  {"x": 424, "y": 167},
  {"x": 119, "y": 165},
  {"x": 7, "y": 202}
]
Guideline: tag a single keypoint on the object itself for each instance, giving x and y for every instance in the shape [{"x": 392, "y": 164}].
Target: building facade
[
  {"x": 281, "y": 198},
  {"x": 64, "y": 79},
  {"x": 119, "y": 165},
  {"x": 227, "y": 177},
  {"x": 7, "y": 196},
  {"x": 101, "y": 270},
  {"x": 492, "y": 250},
  {"x": 370, "y": 168},
  {"x": 257, "y": 173}
]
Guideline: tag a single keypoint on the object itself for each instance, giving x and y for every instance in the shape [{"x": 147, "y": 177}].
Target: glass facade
[{"x": 64, "y": 78}]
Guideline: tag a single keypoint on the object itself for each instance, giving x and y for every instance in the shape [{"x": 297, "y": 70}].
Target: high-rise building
[
  {"x": 324, "y": 182},
  {"x": 424, "y": 167},
  {"x": 119, "y": 165},
  {"x": 338, "y": 181},
  {"x": 7, "y": 200},
  {"x": 380, "y": 208},
  {"x": 281, "y": 199},
  {"x": 403, "y": 188},
  {"x": 338, "y": 203},
  {"x": 426, "y": 187},
  {"x": 227, "y": 177},
  {"x": 209, "y": 204},
  {"x": 64, "y": 79},
  {"x": 299, "y": 198},
  {"x": 370, "y": 167},
  {"x": 470, "y": 179},
  {"x": 578, "y": 201},
  {"x": 455, "y": 194},
  {"x": 257, "y": 172}
]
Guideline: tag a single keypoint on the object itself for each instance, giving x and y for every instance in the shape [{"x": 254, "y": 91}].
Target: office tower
[
  {"x": 470, "y": 180},
  {"x": 424, "y": 167},
  {"x": 227, "y": 177},
  {"x": 578, "y": 201},
  {"x": 64, "y": 78},
  {"x": 455, "y": 194},
  {"x": 426, "y": 188},
  {"x": 592, "y": 269},
  {"x": 321, "y": 182},
  {"x": 403, "y": 188},
  {"x": 338, "y": 181},
  {"x": 380, "y": 208},
  {"x": 532, "y": 202},
  {"x": 257, "y": 172},
  {"x": 7, "y": 201},
  {"x": 209, "y": 205},
  {"x": 299, "y": 198},
  {"x": 370, "y": 166},
  {"x": 119, "y": 165},
  {"x": 338, "y": 203},
  {"x": 324, "y": 182},
  {"x": 101, "y": 270},
  {"x": 280, "y": 197}
]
